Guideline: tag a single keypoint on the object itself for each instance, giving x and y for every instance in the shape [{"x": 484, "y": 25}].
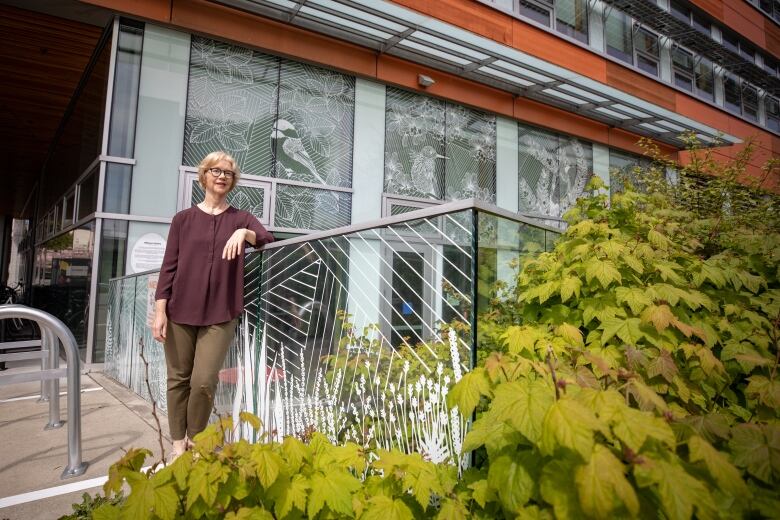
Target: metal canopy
[
  {"x": 394, "y": 30},
  {"x": 658, "y": 19}
]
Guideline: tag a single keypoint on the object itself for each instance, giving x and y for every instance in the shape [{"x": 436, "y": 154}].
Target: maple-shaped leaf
[
  {"x": 635, "y": 297},
  {"x": 288, "y": 494},
  {"x": 295, "y": 452},
  {"x": 633, "y": 427},
  {"x": 570, "y": 286},
  {"x": 556, "y": 487},
  {"x": 728, "y": 477},
  {"x": 569, "y": 424},
  {"x": 570, "y": 333},
  {"x": 519, "y": 338},
  {"x": 452, "y": 509},
  {"x": 612, "y": 248},
  {"x": 626, "y": 329},
  {"x": 513, "y": 478},
  {"x": 766, "y": 390},
  {"x": 679, "y": 492},
  {"x": 757, "y": 449},
  {"x": 663, "y": 365},
  {"x": 645, "y": 396},
  {"x": 467, "y": 392},
  {"x": 249, "y": 513},
  {"x": 333, "y": 489},
  {"x": 602, "y": 485},
  {"x": 386, "y": 508},
  {"x": 633, "y": 262},
  {"x": 523, "y": 405},
  {"x": 658, "y": 239},
  {"x": 267, "y": 464},
  {"x": 603, "y": 270},
  {"x": 659, "y": 315}
]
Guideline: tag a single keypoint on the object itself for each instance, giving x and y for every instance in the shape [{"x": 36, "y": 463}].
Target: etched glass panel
[
  {"x": 231, "y": 104},
  {"x": 414, "y": 145},
  {"x": 437, "y": 150},
  {"x": 308, "y": 208},
  {"x": 470, "y": 148},
  {"x": 553, "y": 171},
  {"x": 313, "y": 132}
]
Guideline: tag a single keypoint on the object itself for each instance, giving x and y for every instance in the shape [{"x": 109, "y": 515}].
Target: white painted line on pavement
[
  {"x": 32, "y": 496},
  {"x": 26, "y": 397}
]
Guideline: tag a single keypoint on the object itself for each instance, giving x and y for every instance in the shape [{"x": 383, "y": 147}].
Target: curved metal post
[
  {"x": 54, "y": 384},
  {"x": 46, "y": 347},
  {"x": 59, "y": 331}
]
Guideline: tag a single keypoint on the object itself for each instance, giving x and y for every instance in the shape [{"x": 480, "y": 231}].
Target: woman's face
[{"x": 219, "y": 186}]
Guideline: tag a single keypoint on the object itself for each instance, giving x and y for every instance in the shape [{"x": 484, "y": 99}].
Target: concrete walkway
[{"x": 113, "y": 419}]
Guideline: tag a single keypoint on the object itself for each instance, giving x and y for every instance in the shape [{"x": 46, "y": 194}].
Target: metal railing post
[
  {"x": 54, "y": 384},
  {"x": 58, "y": 333},
  {"x": 45, "y": 365}
]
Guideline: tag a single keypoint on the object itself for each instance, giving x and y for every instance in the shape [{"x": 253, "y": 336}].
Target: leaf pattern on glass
[
  {"x": 553, "y": 171},
  {"x": 438, "y": 150}
]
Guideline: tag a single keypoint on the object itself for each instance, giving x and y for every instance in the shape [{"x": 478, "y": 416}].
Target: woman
[{"x": 200, "y": 294}]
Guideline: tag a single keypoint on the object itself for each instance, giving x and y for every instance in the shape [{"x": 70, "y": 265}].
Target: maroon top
[{"x": 201, "y": 287}]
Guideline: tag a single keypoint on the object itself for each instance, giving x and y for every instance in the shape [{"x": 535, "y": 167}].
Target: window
[
  {"x": 281, "y": 120},
  {"x": 749, "y": 102},
  {"x": 731, "y": 92},
  {"x": 705, "y": 79},
  {"x": 683, "y": 65},
  {"x": 503, "y": 4},
  {"x": 646, "y": 44},
  {"x": 685, "y": 14},
  {"x": 537, "y": 12},
  {"x": 438, "y": 151},
  {"x": 553, "y": 170},
  {"x": 773, "y": 113},
  {"x": 771, "y": 8},
  {"x": 731, "y": 41},
  {"x": 571, "y": 18},
  {"x": 617, "y": 29},
  {"x": 747, "y": 51}
]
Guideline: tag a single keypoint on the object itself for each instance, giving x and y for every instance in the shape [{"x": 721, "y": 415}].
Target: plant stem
[{"x": 152, "y": 399}]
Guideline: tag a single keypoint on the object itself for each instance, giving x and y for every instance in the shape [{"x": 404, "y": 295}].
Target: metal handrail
[{"x": 53, "y": 333}]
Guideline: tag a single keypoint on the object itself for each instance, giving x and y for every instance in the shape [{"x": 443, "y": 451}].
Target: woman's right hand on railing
[{"x": 160, "y": 323}]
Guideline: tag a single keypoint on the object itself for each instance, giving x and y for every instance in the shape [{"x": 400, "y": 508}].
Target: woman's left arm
[{"x": 254, "y": 233}]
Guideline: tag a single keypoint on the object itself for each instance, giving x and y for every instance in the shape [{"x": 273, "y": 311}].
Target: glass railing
[{"x": 357, "y": 332}]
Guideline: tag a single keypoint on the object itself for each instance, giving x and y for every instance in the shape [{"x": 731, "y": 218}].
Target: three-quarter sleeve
[
  {"x": 262, "y": 235},
  {"x": 170, "y": 262}
]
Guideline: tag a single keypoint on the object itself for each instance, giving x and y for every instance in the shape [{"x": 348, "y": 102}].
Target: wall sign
[{"x": 147, "y": 253}]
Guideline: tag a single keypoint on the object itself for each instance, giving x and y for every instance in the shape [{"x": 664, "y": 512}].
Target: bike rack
[{"x": 53, "y": 333}]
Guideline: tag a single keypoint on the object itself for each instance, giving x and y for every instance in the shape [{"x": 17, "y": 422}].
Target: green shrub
[{"x": 633, "y": 373}]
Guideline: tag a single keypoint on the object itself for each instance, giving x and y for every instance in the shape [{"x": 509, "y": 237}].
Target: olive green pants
[{"x": 194, "y": 356}]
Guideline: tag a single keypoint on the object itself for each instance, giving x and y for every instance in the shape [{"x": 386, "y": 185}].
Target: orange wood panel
[
  {"x": 550, "y": 48},
  {"x": 748, "y": 22},
  {"x": 619, "y": 138},
  {"x": 159, "y": 10},
  {"x": 713, "y": 7},
  {"x": 400, "y": 72},
  {"x": 772, "y": 35},
  {"x": 651, "y": 90},
  {"x": 224, "y": 22},
  {"x": 472, "y": 16}
]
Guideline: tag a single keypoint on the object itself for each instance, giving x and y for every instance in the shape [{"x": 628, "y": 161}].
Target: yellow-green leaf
[
  {"x": 728, "y": 477},
  {"x": 570, "y": 425},
  {"x": 603, "y": 270},
  {"x": 467, "y": 392},
  {"x": 570, "y": 286},
  {"x": 602, "y": 485}
]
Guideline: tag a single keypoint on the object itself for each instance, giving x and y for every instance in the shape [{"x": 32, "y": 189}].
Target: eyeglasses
[{"x": 216, "y": 172}]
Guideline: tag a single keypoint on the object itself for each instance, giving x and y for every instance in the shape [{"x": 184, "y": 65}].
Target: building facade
[{"x": 344, "y": 111}]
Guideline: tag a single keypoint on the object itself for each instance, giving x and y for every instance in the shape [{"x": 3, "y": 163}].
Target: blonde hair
[{"x": 213, "y": 158}]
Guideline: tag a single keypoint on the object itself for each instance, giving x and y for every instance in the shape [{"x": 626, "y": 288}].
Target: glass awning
[
  {"x": 394, "y": 30},
  {"x": 658, "y": 19}
]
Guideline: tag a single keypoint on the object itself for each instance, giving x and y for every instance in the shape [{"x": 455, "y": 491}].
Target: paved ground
[{"x": 32, "y": 460}]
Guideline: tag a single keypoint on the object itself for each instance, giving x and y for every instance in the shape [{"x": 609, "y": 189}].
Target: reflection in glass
[
  {"x": 88, "y": 191},
  {"x": 124, "y": 99},
  {"x": 61, "y": 279},
  {"x": 116, "y": 198},
  {"x": 111, "y": 264}
]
